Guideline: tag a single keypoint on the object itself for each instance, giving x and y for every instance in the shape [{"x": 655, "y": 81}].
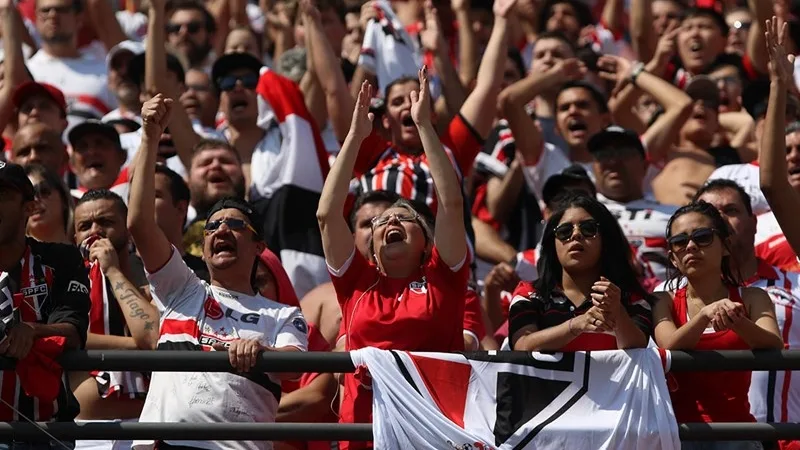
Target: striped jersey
[
  {"x": 48, "y": 286},
  {"x": 771, "y": 244},
  {"x": 196, "y": 316}
]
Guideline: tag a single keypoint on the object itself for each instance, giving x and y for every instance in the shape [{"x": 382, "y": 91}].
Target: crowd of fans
[{"x": 327, "y": 175}]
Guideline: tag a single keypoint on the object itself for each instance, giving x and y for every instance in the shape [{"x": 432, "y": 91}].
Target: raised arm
[
  {"x": 453, "y": 94},
  {"x": 326, "y": 65},
  {"x": 153, "y": 246},
  {"x": 659, "y": 137},
  {"x": 158, "y": 81},
  {"x": 643, "y": 35},
  {"x": 449, "y": 234},
  {"x": 337, "y": 240},
  {"x": 14, "y": 62},
  {"x": 467, "y": 43},
  {"x": 782, "y": 198},
  {"x": 756, "y": 44},
  {"x": 490, "y": 73}
]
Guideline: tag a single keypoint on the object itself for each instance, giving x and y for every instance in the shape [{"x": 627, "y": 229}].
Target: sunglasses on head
[
  {"x": 191, "y": 27},
  {"x": 702, "y": 237},
  {"x": 42, "y": 190},
  {"x": 401, "y": 217},
  {"x": 233, "y": 224},
  {"x": 228, "y": 82},
  {"x": 587, "y": 228}
]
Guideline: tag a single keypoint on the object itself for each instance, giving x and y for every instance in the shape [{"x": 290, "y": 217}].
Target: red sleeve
[
  {"x": 352, "y": 279},
  {"x": 449, "y": 286},
  {"x": 479, "y": 208},
  {"x": 464, "y": 142},
  {"x": 523, "y": 289},
  {"x": 473, "y": 316},
  {"x": 369, "y": 152}
]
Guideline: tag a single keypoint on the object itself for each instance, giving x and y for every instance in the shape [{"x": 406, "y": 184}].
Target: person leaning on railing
[
  {"x": 587, "y": 296},
  {"x": 411, "y": 296},
  {"x": 710, "y": 312}
]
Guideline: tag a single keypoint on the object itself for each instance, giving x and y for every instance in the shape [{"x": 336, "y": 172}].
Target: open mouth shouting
[{"x": 394, "y": 234}]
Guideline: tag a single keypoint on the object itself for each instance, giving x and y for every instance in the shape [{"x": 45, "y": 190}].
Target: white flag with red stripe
[{"x": 514, "y": 400}]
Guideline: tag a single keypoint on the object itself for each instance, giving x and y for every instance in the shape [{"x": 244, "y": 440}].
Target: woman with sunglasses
[
  {"x": 587, "y": 296},
  {"x": 411, "y": 295},
  {"x": 52, "y": 217},
  {"x": 710, "y": 312}
]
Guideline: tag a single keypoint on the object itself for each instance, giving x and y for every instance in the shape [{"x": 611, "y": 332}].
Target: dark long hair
[
  {"x": 730, "y": 276},
  {"x": 57, "y": 185},
  {"x": 615, "y": 256}
]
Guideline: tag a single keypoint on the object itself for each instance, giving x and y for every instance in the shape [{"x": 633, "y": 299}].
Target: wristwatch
[{"x": 638, "y": 68}]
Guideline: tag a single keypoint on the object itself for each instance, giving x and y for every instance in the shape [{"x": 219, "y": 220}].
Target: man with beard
[
  {"x": 227, "y": 313},
  {"x": 215, "y": 173},
  {"x": 47, "y": 286},
  {"x": 97, "y": 158},
  {"x": 81, "y": 76},
  {"x": 190, "y": 30},
  {"x": 121, "y": 83},
  {"x": 121, "y": 318},
  {"x": 38, "y": 143}
]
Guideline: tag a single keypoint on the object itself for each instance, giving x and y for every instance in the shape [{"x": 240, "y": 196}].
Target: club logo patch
[
  {"x": 419, "y": 287},
  {"x": 300, "y": 325},
  {"x": 212, "y": 308}
]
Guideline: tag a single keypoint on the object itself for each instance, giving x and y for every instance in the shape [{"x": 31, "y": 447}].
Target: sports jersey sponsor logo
[
  {"x": 419, "y": 287},
  {"x": 75, "y": 286},
  {"x": 212, "y": 308},
  {"x": 300, "y": 324},
  {"x": 468, "y": 446},
  {"x": 211, "y": 341}
]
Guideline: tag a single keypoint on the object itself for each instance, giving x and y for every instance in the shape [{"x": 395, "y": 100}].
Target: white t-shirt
[
  {"x": 551, "y": 162},
  {"x": 644, "y": 223},
  {"x": 195, "y": 316},
  {"x": 83, "y": 81},
  {"x": 747, "y": 176}
]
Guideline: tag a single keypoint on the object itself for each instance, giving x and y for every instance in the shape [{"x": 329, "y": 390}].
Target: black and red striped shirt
[{"x": 49, "y": 285}]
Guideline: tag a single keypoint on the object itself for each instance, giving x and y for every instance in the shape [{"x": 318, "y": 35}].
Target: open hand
[
  {"x": 431, "y": 36},
  {"x": 616, "y": 69},
  {"x": 421, "y": 101},
  {"x": 781, "y": 64},
  {"x": 501, "y": 8},
  {"x": 361, "y": 125}
]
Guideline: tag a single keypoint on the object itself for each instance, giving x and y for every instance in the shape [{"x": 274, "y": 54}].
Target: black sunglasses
[
  {"x": 191, "y": 27},
  {"x": 587, "y": 228},
  {"x": 702, "y": 237},
  {"x": 42, "y": 190},
  {"x": 228, "y": 82},
  {"x": 233, "y": 224}
]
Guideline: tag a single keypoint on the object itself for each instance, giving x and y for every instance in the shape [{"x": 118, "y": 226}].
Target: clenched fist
[{"x": 156, "y": 114}]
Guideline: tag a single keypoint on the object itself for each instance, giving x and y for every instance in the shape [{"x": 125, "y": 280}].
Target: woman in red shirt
[
  {"x": 412, "y": 298},
  {"x": 712, "y": 312},
  {"x": 587, "y": 296}
]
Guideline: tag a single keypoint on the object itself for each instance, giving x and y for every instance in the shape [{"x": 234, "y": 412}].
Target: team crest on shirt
[
  {"x": 212, "y": 308},
  {"x": 419, "y": 287},
  {"x": 36, "y": 293},
  {"x": 300, "y": 324}
]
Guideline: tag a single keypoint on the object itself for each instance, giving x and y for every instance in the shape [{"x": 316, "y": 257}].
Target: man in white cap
[{"x": 121, "y": 83}]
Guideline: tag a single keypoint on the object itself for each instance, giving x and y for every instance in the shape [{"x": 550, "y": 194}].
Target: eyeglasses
[
  {"x": 233, "y": 224},
  {"x": 191, "y": 27},
  {"x": 42, "y": 191},
  {"x": 228, "y": 83},
  {"x": 587, "y": 228},
  {"x": 400, "y": 217},
  {"x": 702, "y": 237}
]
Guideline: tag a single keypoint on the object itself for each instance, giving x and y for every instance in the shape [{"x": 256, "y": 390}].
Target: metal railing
[{"x": 186, "y": 361}]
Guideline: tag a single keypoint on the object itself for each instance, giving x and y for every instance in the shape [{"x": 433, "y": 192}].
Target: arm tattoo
[{"x": 130, "y": 297}]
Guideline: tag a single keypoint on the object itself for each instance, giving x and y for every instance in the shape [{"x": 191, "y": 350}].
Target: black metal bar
[
  {"x": 326, "y": 431},
  {"x": 24, "y": 431},
  {"x": 339, "y": 362},
  {"x": 739, "y": 431}
]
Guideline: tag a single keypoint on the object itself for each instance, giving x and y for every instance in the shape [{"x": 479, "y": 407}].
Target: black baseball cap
[
  {"x": 232, "y": 61},
  {"x": 136, "y": 68},
  {"x": 559, "y": 183},
  {"x": 94, "y": 126},
  {"x": 702, "y": 87},
  {"x": 13, "y": 175},
  {"x": 241, "y": 205},
  {"x": 614, "y": 140}
]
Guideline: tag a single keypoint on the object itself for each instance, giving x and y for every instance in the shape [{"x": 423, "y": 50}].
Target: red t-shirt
[
  {"x": 380, "y": 166},
  {"x": 423, "y": 312},
  {"x": 710, "y": 396}
]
